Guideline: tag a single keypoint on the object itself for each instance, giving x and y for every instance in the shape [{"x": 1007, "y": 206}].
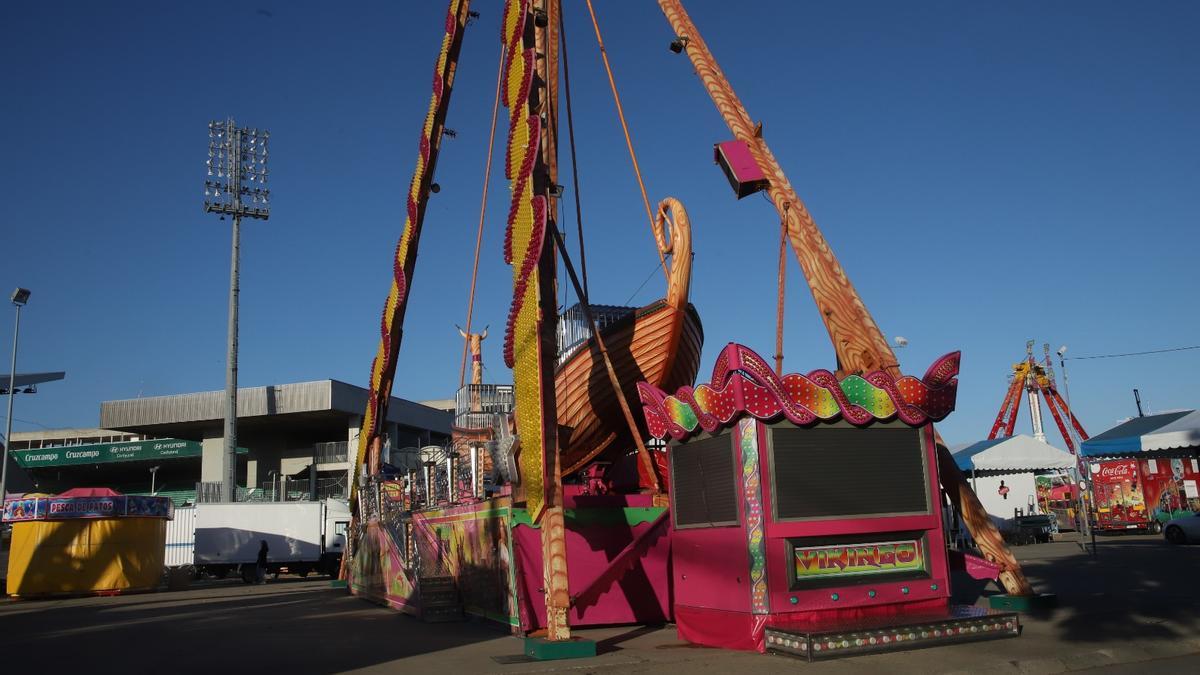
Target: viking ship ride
[
  {"x": 659, "y": 342},
  {"x": 444, "y": 541}
]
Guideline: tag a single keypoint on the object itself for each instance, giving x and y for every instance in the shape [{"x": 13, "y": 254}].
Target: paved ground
[{"x": 1134, "y": 608}]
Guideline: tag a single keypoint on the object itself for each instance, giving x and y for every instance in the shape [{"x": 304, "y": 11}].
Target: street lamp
[
  {"x": 237, "y": 174},
  {"x": 19, "y": 298},
  {"x": 1080, "y": 464}
]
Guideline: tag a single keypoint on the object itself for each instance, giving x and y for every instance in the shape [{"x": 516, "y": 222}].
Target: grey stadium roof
[{"x": 322, "y": 406}]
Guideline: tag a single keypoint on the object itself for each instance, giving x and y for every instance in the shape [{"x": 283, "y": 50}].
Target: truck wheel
[
  {"x": 1156, "y": 527},
  {"x": 1175, "y": 535},
  {"x": 302, "y": 572}
]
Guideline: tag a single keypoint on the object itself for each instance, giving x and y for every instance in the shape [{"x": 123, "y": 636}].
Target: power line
[
  {"x": 639, "y": 288},
  {"x": 1114, "y": 356}
]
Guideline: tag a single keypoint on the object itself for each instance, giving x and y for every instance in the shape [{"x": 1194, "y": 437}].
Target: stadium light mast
[{"x": 236, "y": 186}]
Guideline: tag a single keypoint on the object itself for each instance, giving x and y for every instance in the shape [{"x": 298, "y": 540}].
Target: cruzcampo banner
[{"x": 102, "y": 453}]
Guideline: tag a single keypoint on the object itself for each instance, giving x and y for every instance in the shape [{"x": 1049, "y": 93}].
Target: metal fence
[
  {"x": 475, "y": 405},
  {"x": 332, "y": 453},
  {"x": 285, "y": 490},
  {"x": 574, "y": 329}
]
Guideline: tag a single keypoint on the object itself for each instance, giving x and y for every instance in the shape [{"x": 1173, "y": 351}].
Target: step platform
[{"x": 960, "y": 623}]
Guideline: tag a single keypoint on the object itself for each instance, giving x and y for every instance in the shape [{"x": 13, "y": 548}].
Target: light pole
[
  {"x": 1080, "y": 463},
  {"x": 236, "y": 156},
  {"x": 153, "y": 475},
  {"x": 19, "y": 298}
]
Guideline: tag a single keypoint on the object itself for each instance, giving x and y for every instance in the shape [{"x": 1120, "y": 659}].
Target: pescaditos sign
[
  {"x": 858, "y": 559},
  {"x": 101, "y": 453},
  {"x": 71, "y": 508}
]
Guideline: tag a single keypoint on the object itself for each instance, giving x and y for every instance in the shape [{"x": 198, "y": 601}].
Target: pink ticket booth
[{"x": 807, "y": 511}]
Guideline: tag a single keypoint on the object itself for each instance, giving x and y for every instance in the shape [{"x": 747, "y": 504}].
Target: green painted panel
[
  {"x": 629, "y": 516},
  {"x": 105, "y": 453}
]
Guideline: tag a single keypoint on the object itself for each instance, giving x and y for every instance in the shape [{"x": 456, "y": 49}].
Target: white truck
[{"x": 302, "y": 537}]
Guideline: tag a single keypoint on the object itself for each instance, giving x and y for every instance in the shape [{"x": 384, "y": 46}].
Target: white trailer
[
  {"x": 301, "y": 536},
  {"x": 181, "y": 538}
]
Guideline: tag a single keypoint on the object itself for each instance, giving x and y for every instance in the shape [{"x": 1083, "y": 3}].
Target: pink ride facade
[{"x": 807, "y": 512}]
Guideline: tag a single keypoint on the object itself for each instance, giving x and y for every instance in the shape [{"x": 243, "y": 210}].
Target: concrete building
[{"x": 293, "y": 438}]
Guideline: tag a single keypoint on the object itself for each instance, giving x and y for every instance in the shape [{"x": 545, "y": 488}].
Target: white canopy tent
[
  {"x": 1013, "y": 454},
  {"x": 1003, "y": 473}
]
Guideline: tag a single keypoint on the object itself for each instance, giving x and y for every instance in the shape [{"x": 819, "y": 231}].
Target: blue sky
[{"x": 986, "y": 172}]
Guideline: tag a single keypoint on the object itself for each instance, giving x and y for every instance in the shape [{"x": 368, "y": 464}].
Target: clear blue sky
[{"x": 986, "y": 172}]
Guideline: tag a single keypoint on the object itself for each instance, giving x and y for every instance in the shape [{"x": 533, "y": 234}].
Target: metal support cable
[
  {"x": 783, "y": 238},
  {"x": 628, "y": 141},
  {"x": 487, "y": 174},
  {"x": 562, "y": 36}
]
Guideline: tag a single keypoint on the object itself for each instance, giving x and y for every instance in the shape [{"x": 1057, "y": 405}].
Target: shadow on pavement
[
  {"x": 306, "y": 628},
  {"x": 1136, "y": 587}
]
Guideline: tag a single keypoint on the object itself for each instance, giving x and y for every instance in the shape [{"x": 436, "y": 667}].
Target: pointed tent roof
[
  {"x": 1168, "y": 431},
  {"x": 1015, "y": 453}
]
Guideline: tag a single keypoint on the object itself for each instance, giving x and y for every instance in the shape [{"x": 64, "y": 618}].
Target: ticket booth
[{"x": 807, "y": 512}]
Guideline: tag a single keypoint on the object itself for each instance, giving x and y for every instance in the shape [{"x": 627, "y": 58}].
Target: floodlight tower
[{"x": 237, "y": 173}]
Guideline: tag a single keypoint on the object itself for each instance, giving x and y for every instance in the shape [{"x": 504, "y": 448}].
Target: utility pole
[{"x": 236, "y": 156}]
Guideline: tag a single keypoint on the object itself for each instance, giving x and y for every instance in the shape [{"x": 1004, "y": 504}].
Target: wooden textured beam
[{"x": 859, "y": 344}]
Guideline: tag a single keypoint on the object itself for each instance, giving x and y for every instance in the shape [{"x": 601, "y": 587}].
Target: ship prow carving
[{"x": 659, "y": 342}]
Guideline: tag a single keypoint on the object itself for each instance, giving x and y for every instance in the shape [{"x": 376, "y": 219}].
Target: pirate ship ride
[{"x": 542, "y": 555}]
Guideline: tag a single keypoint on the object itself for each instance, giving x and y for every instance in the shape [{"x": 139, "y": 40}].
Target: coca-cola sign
[{"x": 1117, "y": 471}]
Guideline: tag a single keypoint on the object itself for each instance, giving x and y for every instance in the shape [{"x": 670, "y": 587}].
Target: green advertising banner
[{"x": 103, "y": 453}]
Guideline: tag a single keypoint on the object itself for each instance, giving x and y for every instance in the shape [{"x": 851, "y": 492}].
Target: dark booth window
[
  {"x": 704, "y": 482},
  {"x": 843, "y": 471}
]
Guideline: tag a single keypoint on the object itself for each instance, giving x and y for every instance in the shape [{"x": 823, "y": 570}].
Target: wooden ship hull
[
  {"x": 645, "y": 346},
  {"x": 658, "y": 343}
]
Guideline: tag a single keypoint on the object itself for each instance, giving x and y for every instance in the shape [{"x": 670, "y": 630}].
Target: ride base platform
[{"x": 834, "y": 639}]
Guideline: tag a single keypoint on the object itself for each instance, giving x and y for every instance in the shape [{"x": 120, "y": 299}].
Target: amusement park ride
[
  {"x": 1035, "y": 378},
  {"x": 801, "y": 514}
]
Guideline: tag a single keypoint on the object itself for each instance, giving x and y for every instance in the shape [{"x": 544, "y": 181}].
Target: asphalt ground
[{"x": 1134, "y": 607}]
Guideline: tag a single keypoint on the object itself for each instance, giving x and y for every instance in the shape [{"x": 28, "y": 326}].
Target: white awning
[
  {"x": 1015, "y": 453},
  {"x": 1182, "y": 433}
]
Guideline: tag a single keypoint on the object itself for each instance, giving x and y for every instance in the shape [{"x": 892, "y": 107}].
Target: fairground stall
[
  {"x": 1145, "y": 471},
  {"x": 807, "y": 511},
  {"x": 86, "y": 540}
]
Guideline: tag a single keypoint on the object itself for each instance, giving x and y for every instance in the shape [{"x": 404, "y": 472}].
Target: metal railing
[
  {"x": 476, "y": 404},
  {"x": 287, "y": 490},
  {"x": 574, "y": 330},
  {"x": 207, "y": 492},
  {"x": 333, "y": 488},
  {"x": 332, "y": 453}
]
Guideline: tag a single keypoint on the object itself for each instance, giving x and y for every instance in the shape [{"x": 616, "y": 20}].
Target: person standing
[{"x": 261, "y": 568}]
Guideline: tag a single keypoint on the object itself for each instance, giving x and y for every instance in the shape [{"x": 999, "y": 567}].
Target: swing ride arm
[
  {"x": 859, "y": 344},
  {"x": 391, "y": 325},
  {"x": 1012, "y": 397},
  {"x": 1047, "y": 394}
]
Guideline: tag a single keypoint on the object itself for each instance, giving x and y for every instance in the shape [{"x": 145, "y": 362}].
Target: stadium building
[{"x": 295, "y": 441}]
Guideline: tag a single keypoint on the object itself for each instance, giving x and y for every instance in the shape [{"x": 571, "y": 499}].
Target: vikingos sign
[{"x": 858, "y": 559}]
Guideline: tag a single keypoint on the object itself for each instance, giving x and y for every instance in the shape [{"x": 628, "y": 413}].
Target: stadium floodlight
[
  {"x": 236, "y": 169},
  {"x": 235, "y": 185}
]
